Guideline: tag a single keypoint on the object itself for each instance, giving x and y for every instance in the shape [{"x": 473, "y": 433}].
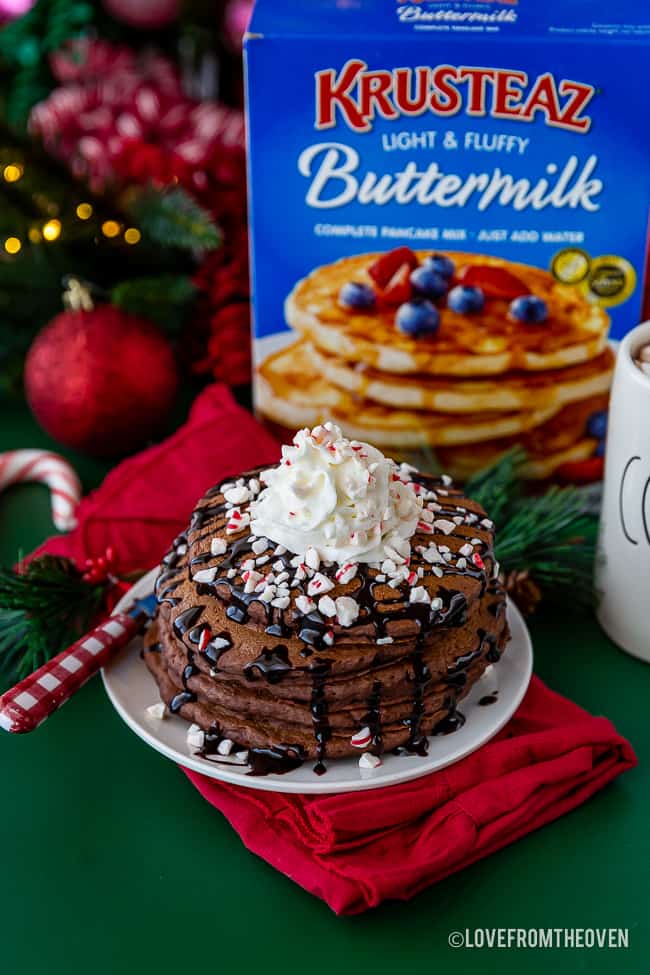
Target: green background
[{"x": 112, "y": 862}]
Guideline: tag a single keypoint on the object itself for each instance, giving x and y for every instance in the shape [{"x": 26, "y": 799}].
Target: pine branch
[
  {"x": 545, "y": 536},
  {"x": 43, "y": 610},
  {"x": 166, "y": 299},
  {"x": 498, "y": 486},
  {"x": 172, "y": 218}
]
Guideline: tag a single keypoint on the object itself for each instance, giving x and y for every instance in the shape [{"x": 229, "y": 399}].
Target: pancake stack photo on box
[{"x": 462, "y": 353}]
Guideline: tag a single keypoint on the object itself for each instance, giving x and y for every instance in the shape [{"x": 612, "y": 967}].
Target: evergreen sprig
[
  {"x": 43, "y": 609},
  {"x": 165, "y": 299},
  {"x": 549, "y": 536},
  {"x": 171, "y": 218}
]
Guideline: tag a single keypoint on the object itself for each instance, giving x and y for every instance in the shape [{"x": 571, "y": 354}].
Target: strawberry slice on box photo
[
  {"x": 399, "y": 289},
  {"x": 390, "y": 263},
  {"x": 494, "y": 282}
]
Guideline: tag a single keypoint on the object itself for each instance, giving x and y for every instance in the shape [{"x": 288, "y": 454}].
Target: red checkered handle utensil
[{"x": 35, "y": 698}]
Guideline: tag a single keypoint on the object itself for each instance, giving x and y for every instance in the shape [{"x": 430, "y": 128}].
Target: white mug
[{"x": 623, "y": 563}]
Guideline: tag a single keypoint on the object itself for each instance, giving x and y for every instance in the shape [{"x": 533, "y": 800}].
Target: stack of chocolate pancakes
[{"x": 281, "y": 658}]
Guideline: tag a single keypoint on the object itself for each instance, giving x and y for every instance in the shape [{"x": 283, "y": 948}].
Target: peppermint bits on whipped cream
[{"x": 336, "y": 500}]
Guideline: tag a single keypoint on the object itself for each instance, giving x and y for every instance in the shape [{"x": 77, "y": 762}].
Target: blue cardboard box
[{"x": 449, "y": 211}]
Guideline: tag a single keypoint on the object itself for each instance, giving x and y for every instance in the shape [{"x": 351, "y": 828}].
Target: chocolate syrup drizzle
[{"x": 273, "y": 664}]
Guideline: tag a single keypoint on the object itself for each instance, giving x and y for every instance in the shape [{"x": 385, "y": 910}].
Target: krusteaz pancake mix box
[{"x": 449, "y": 207}]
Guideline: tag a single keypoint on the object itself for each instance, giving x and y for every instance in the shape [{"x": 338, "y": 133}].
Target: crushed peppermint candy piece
[
  {"x": 444, "y": 526},
  {"x": 268, "y": 594},
  {"x": 262, "y": 559},
  {"x": 279, "y": 550},
  {"x": 327, "y": 606},
  {"x": 466, "y": 550},
  {"x": 305, "y": 605},
  {"x": 260, "y": 545},
  {"x": 384, "y": 639},
  {"x": 231, "y": 573},
  {"x": 362, "y": 738},
  {"x": 436, "y": 603},
  {"x": 419, "y": 595},
  {"x": 237, "y": 495},
  {"x": 204, "y": 639},
  {"x": 195, "y": 737},
  {"x": 478, "y": 561},
  {"x": 158, "y": 711},
  {"x": 369, "y": 761},
  {"x": 487, "y": 523},
  {"x": 347, "y": 572},
  {"x": 380, "y": 577},
  {"x": 437, "y": 571},
  {"x": 282, "y": 577},
  {"x": 446, "y": 480},
  {"x": 426, "y": 515},
  {"x": 280, "y": 602},
  {"x": 462, "y": 563},
  {"x": 319, "y": 585},
  {"x": 251, "y": 579},
  {"x": 205, "y": 575},
  {"x": 312, "y": 558},
  {"x": 432, "y": 554},
  {"x": 328, "y": 638},
  {"x": 347, "y": 610},
  {"x": 235, "y": 758},
  {"x": 477, "y": 541},
  {"x": 221, "y": 643},
  {"x": 225, "y": 746},
  {"x": 425, "y": 528},
  {"x": 218, "y": 546},
  {"x": 388, "y": 567},
  {"x": 496, "y": 570}
]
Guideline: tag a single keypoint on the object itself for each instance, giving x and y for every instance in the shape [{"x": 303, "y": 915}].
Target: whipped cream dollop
[{"x": 340, "y": 497}]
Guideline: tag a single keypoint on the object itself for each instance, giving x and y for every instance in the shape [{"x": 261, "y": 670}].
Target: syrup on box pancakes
[
  {"x": 486, "y": 337},
  {"x": 334, "y": 605},
  {"x": 419, "y": 349}
]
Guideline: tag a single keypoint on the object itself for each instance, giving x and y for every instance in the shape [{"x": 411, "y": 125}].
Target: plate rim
[{"x": 282, "y": 782}]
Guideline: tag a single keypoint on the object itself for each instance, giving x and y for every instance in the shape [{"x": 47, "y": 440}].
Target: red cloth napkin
[{"x": 357, "y": 849}]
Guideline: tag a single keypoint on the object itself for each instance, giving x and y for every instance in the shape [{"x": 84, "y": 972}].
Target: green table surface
[{"x": 112, "y": 862}]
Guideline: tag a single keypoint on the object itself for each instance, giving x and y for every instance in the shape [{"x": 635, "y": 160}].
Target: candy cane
[{"x": 20, "y": 466}]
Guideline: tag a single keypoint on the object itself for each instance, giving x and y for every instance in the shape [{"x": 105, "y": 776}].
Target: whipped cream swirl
[{"x": 340, "y": 497}]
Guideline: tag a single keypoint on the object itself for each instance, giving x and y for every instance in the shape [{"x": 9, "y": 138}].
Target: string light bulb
[
  {"x": 35, "y": 235},
  {"x": 110, "y": 228},
  {"x": 12, "y": 245},
  {"x": 84, "y": 211},
  {"x": 52, "y": 230},
  {"x": 12, "y": 173},
  {"x": 132, "y": 235}
]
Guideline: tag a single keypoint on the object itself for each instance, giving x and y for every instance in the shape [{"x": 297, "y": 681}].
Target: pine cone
[{"x": 523, "y": 590}]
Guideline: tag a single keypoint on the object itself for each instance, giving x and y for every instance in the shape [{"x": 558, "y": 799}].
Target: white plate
[{"x": 131, "y": 689}]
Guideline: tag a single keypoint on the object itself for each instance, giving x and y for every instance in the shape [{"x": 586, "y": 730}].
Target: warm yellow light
[
  {"x": 12, "y": 173},
  {"x": 35, "y": 235},
  {"x": 52, "y": 229},
  {"x": 132, "y": 235},
  {"x": 84, "y": 211},
  {"x": 110, "y": 228},
  {"x": 12, "y": 245}
]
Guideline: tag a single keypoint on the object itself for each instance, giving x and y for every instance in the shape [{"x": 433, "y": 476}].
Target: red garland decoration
[
  {"x": 224, "y": 312},
  {"x": 111, "y": 97},
  {"x": 123, "y": 118}
]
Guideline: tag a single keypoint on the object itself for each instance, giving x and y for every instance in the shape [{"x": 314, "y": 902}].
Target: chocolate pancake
[{"x": 246, "y": 645}]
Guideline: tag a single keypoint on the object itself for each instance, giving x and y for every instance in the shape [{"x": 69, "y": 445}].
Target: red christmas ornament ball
[
  {"x": 101, "y": 381},
  {"x": 144, "y": 13}
]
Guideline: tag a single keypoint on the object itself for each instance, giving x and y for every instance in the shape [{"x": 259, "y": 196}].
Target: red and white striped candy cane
[{"x": 45, "y": 467}]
